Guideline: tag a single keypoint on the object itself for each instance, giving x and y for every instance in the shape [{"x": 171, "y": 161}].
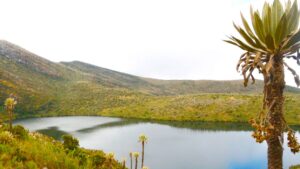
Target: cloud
[{"x": 170, "y": 39}]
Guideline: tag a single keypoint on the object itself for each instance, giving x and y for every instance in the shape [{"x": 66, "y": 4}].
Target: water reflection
[
  {"x": 53, "y": 132},
  {"x": 109, "y": 125},
  {"x": 172, "y": 145}
]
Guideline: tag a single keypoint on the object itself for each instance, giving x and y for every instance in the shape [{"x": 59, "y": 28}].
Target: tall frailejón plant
[
  {"x": 10, "y": 106},
  {"x": 136, "y": 157},
  {"x": 143, "y": 139},
  {"x": 272, "y": 38}
]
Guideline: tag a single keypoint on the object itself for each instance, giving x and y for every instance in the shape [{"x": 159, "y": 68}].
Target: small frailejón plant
[
  {"x": 10, "y": 104},
  {"x": 143, "y": 139},
  {"x": 131, "y": 156},
  {"x": 273, "y": 37},
  {"x": 145, "y": 167},
  {"x": 136, "y": 157}
]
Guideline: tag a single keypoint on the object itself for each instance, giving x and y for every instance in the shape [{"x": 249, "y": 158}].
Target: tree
[
  {"x": 136, "y": 156},
  {"x": 273, "y": 38},
  {"x": 10, "y": 106},
  {"x": 143, "y": 139}
]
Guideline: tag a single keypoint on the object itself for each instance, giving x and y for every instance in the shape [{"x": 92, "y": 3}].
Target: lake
[{"x": 172, "y": 145}]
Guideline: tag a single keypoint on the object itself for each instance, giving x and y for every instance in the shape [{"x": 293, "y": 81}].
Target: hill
[
  {"x": 46, "y": 88},
  {"x": 167, "y": 87}
]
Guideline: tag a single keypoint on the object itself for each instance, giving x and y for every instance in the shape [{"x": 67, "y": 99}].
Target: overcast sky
[{"x": 166, "y": 39}]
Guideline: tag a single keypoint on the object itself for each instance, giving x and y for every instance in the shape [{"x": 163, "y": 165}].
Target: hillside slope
[
  {"x": 167, "y": 87},
  {"x": 23, "y": 149},
  {"x": 47, "y": 88}
]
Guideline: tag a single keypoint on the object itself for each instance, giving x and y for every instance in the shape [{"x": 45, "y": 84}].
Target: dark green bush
[
  {"x": 80, "y": 155},
  {"x": 20, "y": 155},
  {"x": 97, "y": 160},
  {"x": 70, "y": 142},
  {"x": 20, "y": 132}
]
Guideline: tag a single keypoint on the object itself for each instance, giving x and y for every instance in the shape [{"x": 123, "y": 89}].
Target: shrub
[
  {"x": 20, "y": 155},
  {"x": 20, "y": 132},
  {"x": 70, "y": 142},
  {"x": 4, "y": 127},
  {"x": 97, "y": 160},
  {"x": 39, "y": 151},
  {"x": 82, "y": 157},
  {"x": 6, "y": 137}
]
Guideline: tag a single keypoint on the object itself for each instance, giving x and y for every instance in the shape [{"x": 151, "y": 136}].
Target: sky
[{"x": 165, "y": 39}]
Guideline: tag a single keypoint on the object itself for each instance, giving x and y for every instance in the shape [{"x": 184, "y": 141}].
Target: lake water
[{"x": 172, "y": 145}]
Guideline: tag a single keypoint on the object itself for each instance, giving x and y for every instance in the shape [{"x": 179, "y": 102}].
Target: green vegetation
[
  {"x": 22, "y": 149},
  {"x": 203, "y": 107},
  {"x": 70, "y": 142},
  {"x": 295, "y": 167}
]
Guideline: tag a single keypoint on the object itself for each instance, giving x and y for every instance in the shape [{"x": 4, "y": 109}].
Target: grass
[
  {"x": 78, "y": 100},
  {"x": 204, "y": 107}
]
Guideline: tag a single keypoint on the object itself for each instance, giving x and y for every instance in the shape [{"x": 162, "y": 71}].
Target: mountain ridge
[
  {"x": 104, "y": 75},
  {"x": 46, "y": 88},
  {"x": 199, "y": 86}
]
